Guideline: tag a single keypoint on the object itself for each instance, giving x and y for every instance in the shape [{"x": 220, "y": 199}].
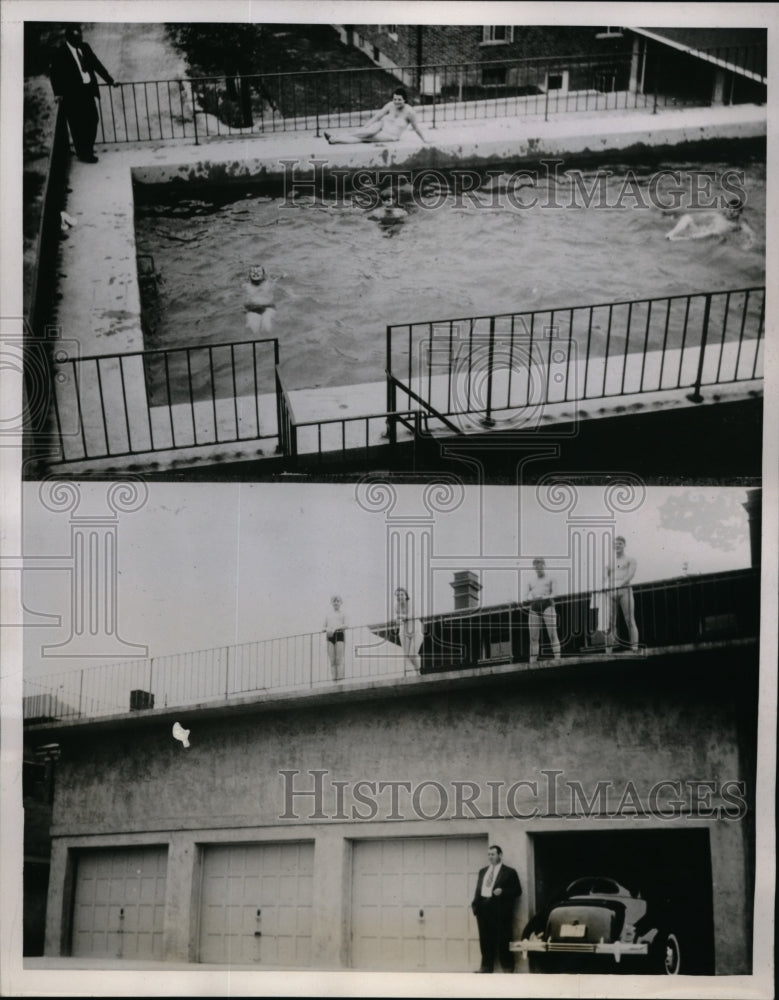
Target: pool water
[{"x": 340, "y": 277}]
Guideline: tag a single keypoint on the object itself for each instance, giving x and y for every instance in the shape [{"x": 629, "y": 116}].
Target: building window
[
  {"x": 497, "y": 34},
  {"x": 392, "y": 31},
  {"x": 493, "y": 75},
  {"x": 376, "y": 54},
  {"x": 557, "y": 80}
]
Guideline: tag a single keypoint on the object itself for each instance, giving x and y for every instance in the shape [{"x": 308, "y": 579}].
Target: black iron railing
[
  {"x": 116, "y": 405},
  {"x": 205, "y": 107},
  {"x": 749, "y": 60},
  {"x": 509, "y": 366},
  {"x": 680, "y": 612}
]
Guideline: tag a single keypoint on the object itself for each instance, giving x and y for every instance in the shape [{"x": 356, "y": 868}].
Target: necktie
[{"x": 490, "y": 876}]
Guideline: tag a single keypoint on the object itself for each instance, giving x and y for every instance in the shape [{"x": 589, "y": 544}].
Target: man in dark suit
[
  {"x": 497, "y": 890},
  {"x": 72, "y": 73}
]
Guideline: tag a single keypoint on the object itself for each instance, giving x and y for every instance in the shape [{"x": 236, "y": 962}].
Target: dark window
[
  {"x": 492, "y": 75},
  {"x": 554, "y": 81}
]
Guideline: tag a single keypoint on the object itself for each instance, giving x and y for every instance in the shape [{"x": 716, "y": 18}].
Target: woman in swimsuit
[
  {"x": 409, "y": 631},
  {"x": 386, "y": 125},
  {"x": 335, "y": 629}
]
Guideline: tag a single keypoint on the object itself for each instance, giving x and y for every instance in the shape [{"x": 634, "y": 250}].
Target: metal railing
[
  {"x": 116, "y": 405},
  {"x": 205, "y": 107},
  {"x": 510, "y": 365},
  {"x": 683, "y": 611},
  {"x": 750, "y": 60}
]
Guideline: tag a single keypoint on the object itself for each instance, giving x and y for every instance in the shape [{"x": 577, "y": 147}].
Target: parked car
[{"x": 596, "y": 924}]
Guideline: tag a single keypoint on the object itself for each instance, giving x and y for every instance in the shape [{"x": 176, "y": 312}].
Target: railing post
[
  {"x": 546, "y": 97},
  {"x": 435, "y": 95},
  {"x": 695, "y": 396},
  {"x": 194, "y": 111},
  {"x": 392, "y": 421},
  {"x": 487, "y": 420}
]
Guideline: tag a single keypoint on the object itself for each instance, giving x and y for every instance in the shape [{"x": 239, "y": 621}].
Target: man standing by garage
[
  {"x": 497, "y": 890},
  {"x": 73, "y": 80}
]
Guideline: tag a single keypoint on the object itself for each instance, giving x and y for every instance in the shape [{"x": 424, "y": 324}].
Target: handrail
[
  {"x": 514, "y": 362},
  {"x": 677, "y": 611},
  {"x": 237, "y": 104}
]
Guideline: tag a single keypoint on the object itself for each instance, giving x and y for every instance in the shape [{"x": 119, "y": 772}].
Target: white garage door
[
  {"x": 255, "y": 904},
  {"x": 119, "y": 906},
  {"x": 411, "y": 903}
]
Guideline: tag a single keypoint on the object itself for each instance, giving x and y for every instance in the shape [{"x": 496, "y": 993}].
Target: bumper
[{"x": 616, "y": 949}]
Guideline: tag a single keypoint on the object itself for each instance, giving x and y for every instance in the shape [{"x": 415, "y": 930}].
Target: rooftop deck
[{"x": 683, "y": 613}]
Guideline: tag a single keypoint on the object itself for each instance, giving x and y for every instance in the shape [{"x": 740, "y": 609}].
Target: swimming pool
[{"x": 340, "y": 279}]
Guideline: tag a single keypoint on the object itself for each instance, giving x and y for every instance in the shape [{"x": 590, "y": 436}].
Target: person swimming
[
  {"x": 387, "y": 212},
  {"x": 697, "y": 225},
  {"x": 387, "y": 125},
  {"x": 258, "y": 301}
]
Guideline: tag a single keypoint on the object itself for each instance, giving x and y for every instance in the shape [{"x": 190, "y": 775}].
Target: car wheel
[{"x": 669, "y": 955}]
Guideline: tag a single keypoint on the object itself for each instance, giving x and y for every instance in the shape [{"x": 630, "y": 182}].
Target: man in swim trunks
[
  {"x": 335, "y": 625},
  {"x": 386, "y": 125},
  {"x": 541, "y": 593},
  {"x": 618, "y": 577},
  {"x": 697, "y": 225},
  {"x": 258, "y": 302}
]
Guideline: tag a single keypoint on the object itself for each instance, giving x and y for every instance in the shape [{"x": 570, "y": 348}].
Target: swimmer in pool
[
  {"x": 386, "y": 125},
  {"x": 258, "y": 301},
  {"x": 387, "y": 212},
  {"x": 697, "y": 225}
]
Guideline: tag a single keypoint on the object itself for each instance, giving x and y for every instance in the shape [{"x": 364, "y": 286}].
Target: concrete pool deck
[{"x": 98, "y": 310}]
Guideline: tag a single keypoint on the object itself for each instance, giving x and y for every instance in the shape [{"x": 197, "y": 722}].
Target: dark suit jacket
[
  {"x": 508, "y": 881},
  {"x": 65, "y": 78}
]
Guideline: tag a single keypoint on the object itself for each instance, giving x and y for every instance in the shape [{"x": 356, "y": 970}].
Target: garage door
[
  {"x": 255, "y": 904},
  {"x": 119, "y": 905},
  {"x": 411, "y": 903}
]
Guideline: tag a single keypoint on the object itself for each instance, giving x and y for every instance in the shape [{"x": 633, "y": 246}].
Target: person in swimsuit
[
  {"x": 409, "y": 631},
  {"x": 386, "y": 125},
  {"x": 335, "y": 626},
  {"x": 387, "y": 212},
  {"x": 697, "y": 225},
  {"x": 618, "y": 577},
  {"x": 540, "y": 594},
  {"x": 258, "y": 302}
]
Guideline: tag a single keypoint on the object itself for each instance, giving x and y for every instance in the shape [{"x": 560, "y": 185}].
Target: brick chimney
[
  {"x": 754, "y": 509},
  {"x": 466, "y": 588}
]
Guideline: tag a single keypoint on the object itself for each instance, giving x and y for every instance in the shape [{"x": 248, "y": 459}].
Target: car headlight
[{"x": 628, "y": 933}]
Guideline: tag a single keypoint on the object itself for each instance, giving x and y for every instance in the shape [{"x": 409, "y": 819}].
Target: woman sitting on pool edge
[{"x": 386, "y": 125}]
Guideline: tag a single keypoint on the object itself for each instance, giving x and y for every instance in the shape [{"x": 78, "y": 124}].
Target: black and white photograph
[{"x": 389, "y": 499}]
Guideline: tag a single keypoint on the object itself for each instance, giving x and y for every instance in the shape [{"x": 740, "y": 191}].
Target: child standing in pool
[{"x": 258, "y": 302}]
